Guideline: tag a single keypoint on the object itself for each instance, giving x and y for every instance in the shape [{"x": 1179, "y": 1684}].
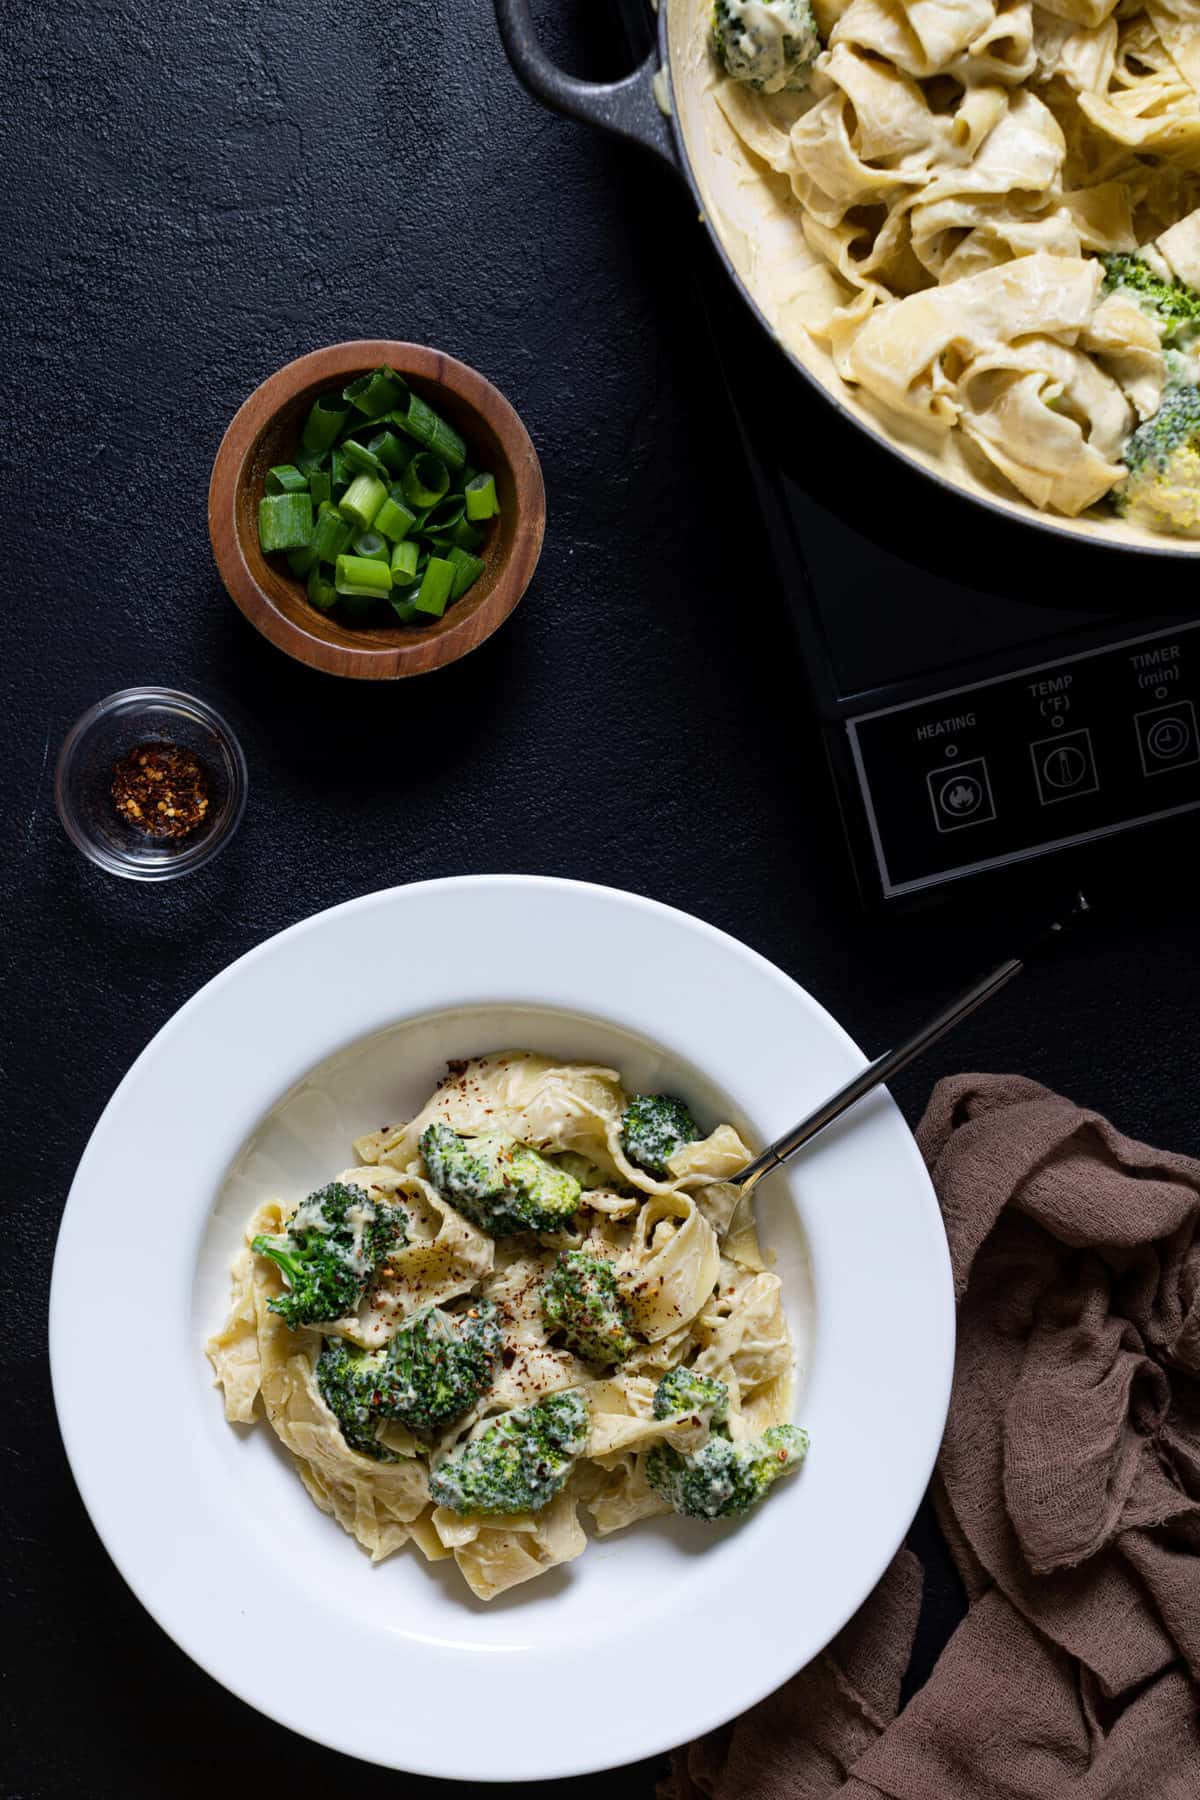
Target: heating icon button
[
  {"x": 1167, "y": 737},
  {"x": 1065, "y": 766},
  {"x": 961, "y": 795}
]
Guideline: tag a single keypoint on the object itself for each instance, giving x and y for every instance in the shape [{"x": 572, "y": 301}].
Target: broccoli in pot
[
  {"x": 1173, "y": 306},
  {"x": 1161, "y": 490},
  {"x": 768, "y": 44}
]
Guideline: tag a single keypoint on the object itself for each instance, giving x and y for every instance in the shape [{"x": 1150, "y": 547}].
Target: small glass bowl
[{"x": 83, "y": 781}]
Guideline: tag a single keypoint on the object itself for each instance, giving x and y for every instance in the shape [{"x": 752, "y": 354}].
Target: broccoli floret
[
  {"x": 1162, "y": 488},
  {"x": 1174, "y": 307},
  {"x": 653, "y": 1128},
  {"x": 519, "y": 1462},
  {"x": 439, "y": 1363},
  {"x": 431, "y": 1371},
  {"x": 581, "y": 1300},
  {"x": 683, "y": 1391},
  {"x": 329, "y": 1250},
  {"x": 585, "y": 1173},
  {"x": 768, "y": 44},
  {"x": 500, "y": 1185},
  {"x": 723, "y": 1480},
  {"x": 352, "y": 1384}
]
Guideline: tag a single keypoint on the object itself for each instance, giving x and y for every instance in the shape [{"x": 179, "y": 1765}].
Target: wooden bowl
[{"x": 266, "y": 430}]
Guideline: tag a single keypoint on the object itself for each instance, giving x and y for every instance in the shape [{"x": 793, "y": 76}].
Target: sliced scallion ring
[{"x": 425, "y": 480}]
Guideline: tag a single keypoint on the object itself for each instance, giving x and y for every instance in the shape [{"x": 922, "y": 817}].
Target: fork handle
[{"x": 892, "y": 1061}]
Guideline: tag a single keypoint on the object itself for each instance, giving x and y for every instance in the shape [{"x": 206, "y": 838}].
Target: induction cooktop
[{"x": 991, "y": 696}]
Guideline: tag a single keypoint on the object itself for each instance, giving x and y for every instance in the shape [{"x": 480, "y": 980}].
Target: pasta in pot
[
  {"x": 675, "y": 1258},
  {"x": 956, "y": 167}
]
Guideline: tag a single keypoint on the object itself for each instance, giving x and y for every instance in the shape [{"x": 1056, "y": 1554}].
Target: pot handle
[{"x": 629, "y": 107}]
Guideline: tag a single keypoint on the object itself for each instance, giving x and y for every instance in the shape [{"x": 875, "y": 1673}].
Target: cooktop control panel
[{"x": 1052, "y": 756}]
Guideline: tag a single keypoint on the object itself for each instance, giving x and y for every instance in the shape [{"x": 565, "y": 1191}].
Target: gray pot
[{"x": 675, "y": 132}]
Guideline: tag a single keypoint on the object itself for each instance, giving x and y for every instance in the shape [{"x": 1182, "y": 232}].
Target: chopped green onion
[
  {"x": 369, "y": 543},
  {"x": 394, "y": 519},
  {"x": 436, "y": 583},
  {"x": 432, "y": 432},
  {"x": 331, "y": 533},
  {"x": 379, "y": 501},
  {"x": 321, "y": 592},
  {"x": 481, "y": 497},
  {"x": 308, "y": 460},
  {"x": 285, "y": 479},
  {"x": 466, "y": 535},
  {"x": 445, "y": 515},
  {"x": 404, "y": 563},
  {"x": 467, "y": 570},
  {"x": 377, "y": 393},
  {"x": 323, "y": 424},
  {"x": 362, "y": 500},
  {"x": 362, "y": 462},
  {"x": 425, "y": 480},
  {"x": 285, "y": 521},
  {"x": 392, "y": 451},
  {"x": 362, "y": 575}
]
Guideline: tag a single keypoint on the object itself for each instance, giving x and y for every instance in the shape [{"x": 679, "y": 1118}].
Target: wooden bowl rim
[{"x": 374, "y": 662}]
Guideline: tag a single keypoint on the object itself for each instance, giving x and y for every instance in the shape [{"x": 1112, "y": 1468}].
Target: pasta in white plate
[
  {"x": 959, "y": 171},
  {"x": 539, "y": 1295}
]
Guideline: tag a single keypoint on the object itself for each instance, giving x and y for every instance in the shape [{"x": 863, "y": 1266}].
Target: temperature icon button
[
  {"x": 961, "y": 794},
  {"x": 1167, "y": 737},
  {"x": 1065, "y": 766}
]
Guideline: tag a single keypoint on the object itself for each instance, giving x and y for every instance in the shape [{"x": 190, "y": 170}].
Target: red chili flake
[{"x": 161, "y": 789}]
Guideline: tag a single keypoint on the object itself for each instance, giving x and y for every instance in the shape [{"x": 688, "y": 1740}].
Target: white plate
[{"x": 258, "y": 1084}]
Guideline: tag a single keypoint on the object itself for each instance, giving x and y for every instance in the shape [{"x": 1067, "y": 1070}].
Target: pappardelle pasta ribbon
[{"x": 555, "y": 1313}]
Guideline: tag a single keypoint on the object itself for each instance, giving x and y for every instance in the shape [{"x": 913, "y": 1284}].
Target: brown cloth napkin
[{"x": 1068, "y": 1488}]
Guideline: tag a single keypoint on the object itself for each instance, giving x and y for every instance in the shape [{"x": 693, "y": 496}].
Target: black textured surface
[{"x": 197, "y": 194}]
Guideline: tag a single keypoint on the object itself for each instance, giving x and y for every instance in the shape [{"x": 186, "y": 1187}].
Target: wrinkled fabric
[{"x": 1068, "y": 1489}]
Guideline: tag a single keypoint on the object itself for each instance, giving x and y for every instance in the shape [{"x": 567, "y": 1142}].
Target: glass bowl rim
[{"x": 150, "y": 866}]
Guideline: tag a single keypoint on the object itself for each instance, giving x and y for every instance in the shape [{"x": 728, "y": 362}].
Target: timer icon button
[
  {"x": 1064, "y": 766},
  {"x": 961, "y": 795},
  {"x": 1167, "y": 737},
  {"x": 1167, "y": 740}
]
